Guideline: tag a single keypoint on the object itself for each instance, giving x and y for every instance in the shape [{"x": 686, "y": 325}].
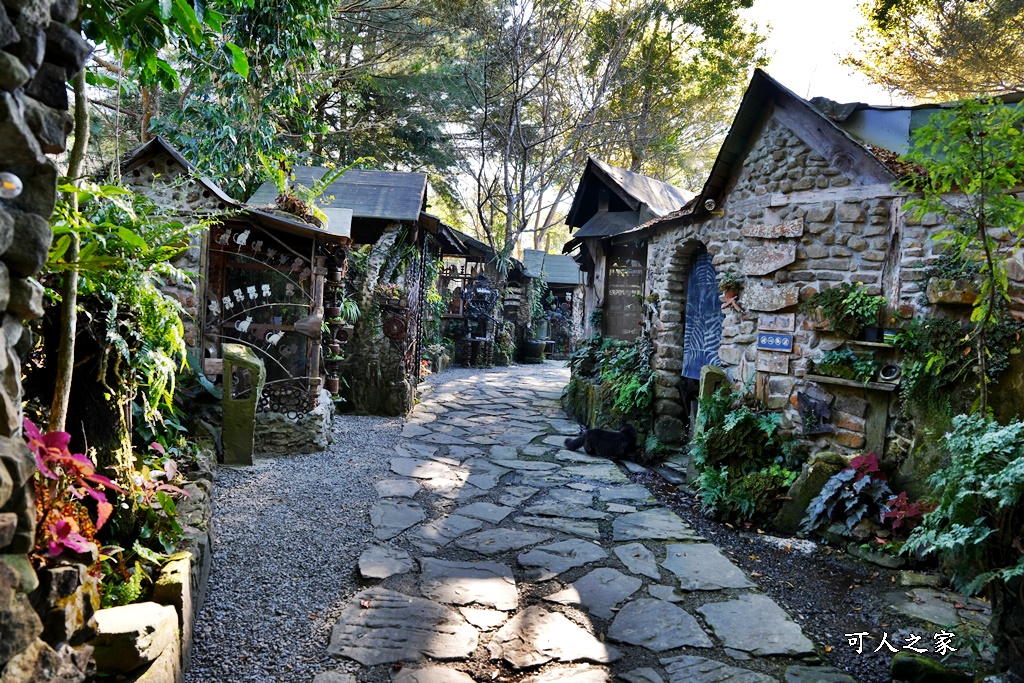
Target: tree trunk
[{"x": 69, "y": 288}]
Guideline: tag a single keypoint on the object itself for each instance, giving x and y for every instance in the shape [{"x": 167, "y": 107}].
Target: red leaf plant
[
  {"x": 905, "y": 513},
  {"x": 62, "y": 521}
]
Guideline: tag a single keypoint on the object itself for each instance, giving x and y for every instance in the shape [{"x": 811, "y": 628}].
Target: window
[{"x": 624, "y": 288}]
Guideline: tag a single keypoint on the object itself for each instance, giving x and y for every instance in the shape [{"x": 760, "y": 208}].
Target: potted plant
[
  {"x": 332, "y": 311},
  {"x": 846, "y": 309},
  {"x": 730, "y": 284},
  {"x": 389, "y": 294},
  {"x": 334, "y": 346}
]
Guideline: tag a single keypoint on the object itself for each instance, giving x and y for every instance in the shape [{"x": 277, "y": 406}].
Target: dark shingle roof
[
  {"x": 552, "y": 268},
  {"x": 660, "y": 197},
  {"x": 608, "y": 223},
  {"x": 370, "y": 194}
]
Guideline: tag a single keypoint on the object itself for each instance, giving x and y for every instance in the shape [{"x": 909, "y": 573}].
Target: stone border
[{"x": 182, "y": 584}]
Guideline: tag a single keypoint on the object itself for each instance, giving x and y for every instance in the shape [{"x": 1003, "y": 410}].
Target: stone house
[
  {"x": 610, "y": 202},
  {"x": 801, "y": 197}
]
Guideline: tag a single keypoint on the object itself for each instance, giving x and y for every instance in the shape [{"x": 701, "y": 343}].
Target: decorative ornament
[
  {"x": 228, "y": 303},
  {"x": 274, "y": 337},
  {"x": 242, "y": 237},
  {"x": 243, "y": 325},
  {"x": 239, "y": 295},
  {"x": 271, "y": 253},
  {"x": 304, "y": 275},
  {"x": 394, "y": 328},
  {"x": 224, "y": 237},
  {"x": 251, "y": 291},
  {"x": 289, "y": 290},
  {"x": 214, "y": 307},
  {"x": 10, "y": 185},
  {"x": 266, "y": 291},
  {"x": 257, "y": 246}
]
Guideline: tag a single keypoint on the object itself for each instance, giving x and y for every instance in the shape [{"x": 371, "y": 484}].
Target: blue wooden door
[{"x": 704, "y": 318}]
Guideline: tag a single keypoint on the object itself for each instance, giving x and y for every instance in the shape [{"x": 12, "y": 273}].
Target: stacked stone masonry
[
  {"x": 793, "y": 223},
  {"x": 44, "y": 620}
]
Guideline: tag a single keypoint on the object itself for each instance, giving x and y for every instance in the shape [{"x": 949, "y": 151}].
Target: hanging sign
[{"x": 775, "y": 341}]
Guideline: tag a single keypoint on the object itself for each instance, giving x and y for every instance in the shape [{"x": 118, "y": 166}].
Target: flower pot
[
  {"x": 533, "y": 351},
  {"x": 873, "y": 334},
  {"x": 333, "y": 384},
  {"x": 335, "y": 275},
  {"x": 332, "y": 311},
  {"x": 334, "y": 347}
]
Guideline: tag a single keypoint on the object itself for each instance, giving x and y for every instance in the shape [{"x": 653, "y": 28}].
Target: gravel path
[{"x": 287, "y": 534}]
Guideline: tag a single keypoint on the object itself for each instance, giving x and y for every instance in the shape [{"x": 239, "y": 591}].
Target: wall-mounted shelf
[
  {"x": 870, "y": 345},
  {"x": 874, "y": 386}
]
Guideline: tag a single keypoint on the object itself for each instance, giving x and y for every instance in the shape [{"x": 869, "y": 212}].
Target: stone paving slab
[
  {"x": 570, "y": 526},
  {"x": 642, "y": 675},
  {"x": 573, "y": 674},
  {"x": 548, "y": 561},
  {"x": 380, "y": 562},
  {"x": 397, "y": 488},
  {"x": 753, "y": 623},
  {"x": 630, "y": 492},
  {"x": 496, "y": 541},
  {"x": 431, "y": 674},
  {"x": 607, "y": 473},
  {"x": 689, "y": 669},
  {"x": 568, "y": 496},
  {"x": 527, "y": 465},
  {"x": 516, "y": 495},
  {"x": 701, "y": 567},
  {"x": 488, "y": 512},
  {"x": 658, "y": 524},
  {"x": 421, "y": 469},
  {"x": 657, "y": 625},
  {"x": 599, "y": 591},
  {"x": 564, "y": 510},
  {"x": 390, "y": 518},
  {"x": 536, "y": 636},
  {"x": 638, "y": 559},
  {"x": 483, "y": 619},
  {"x": 379, "y": 626},
  {"x": 441, "y": 532},
  {"x": 463, "y": 583}
]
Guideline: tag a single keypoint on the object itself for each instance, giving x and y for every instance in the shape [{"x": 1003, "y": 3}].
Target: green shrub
[
  {"x": 848, "y": 308},
  {"x": 744, "y": 461}
]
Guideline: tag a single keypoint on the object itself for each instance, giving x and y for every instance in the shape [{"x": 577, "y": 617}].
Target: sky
[{"x": 806, "y": 40}]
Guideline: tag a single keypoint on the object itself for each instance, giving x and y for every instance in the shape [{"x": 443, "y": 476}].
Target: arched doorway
[{"x": 702, "y": 329}]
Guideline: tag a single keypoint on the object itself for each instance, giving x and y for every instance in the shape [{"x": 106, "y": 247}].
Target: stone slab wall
[
  {"x": 794, "y": 223},
  {"x": 43, "y": 620}
]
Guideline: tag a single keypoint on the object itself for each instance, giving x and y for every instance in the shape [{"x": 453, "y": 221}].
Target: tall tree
[
  {"x": 943, "y": 49},
  {"x": 546, "y": 82}
]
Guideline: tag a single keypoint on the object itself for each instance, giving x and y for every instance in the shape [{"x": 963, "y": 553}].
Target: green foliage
[
  {"x": 952, "y": 267},
  {"x": 623, "y": 376},
  {"x": 979, "y": 517},
  {"x": 127, "y": 247},
  {"x": 973, "y": 157},
  {"x": 856, "y": 493},
  {"x": 505, "y": 343},
  {"x": 743, "y": 459},
  {"x": 846, "y": 364},
  {"x": 939, "y": 355},
  {"x": 141, "y": 34},
  {"x": 848, "y": 307}
]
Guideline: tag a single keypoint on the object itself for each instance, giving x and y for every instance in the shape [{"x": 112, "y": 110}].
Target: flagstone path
[{"x": 501, "y": 556}]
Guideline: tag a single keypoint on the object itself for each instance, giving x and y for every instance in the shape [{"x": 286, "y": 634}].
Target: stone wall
[
  {"x": 793, "y": 223},
  {"x": 38, "y": 53},
  {"x": 171, "y": 186},
  {"x": 278, "y": 434}
]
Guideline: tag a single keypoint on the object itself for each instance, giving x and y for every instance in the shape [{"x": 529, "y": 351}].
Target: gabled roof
[
  {"x": 763, "y": 96},
  {"x": 629, "y": 191},
  {"x": 388, "y": 195},
  {"x": 553, "y": 269},
  {"x": 274, "y": 220}
]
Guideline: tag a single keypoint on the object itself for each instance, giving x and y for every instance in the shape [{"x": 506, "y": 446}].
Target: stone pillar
[
  {"x": 38, "y": 54},
  {"x": 240, "y": 413}
]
